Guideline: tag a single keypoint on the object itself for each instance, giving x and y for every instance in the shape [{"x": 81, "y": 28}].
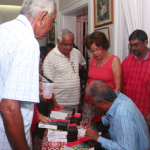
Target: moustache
[{"x": 135, "y": 50}]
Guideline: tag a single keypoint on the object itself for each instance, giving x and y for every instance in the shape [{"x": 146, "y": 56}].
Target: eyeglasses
[
  {"x": 136, "y": 45},
  {"x": 73, "y": 67},
  {"x": 66, "y": 44},
  {"x": 53, "y": 23},
  {"x": 97, "y": 51}
]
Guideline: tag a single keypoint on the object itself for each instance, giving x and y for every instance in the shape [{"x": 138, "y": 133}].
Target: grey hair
[
  {"x": 99, "y": 90},
  {"x": 33, "y": 7},
  {"x": 64, "y": 33}
]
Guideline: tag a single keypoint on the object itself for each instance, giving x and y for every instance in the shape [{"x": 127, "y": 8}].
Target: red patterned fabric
[
  {"x": 103, "y": 73},
  {"x": 35, "y": 119},
  {"x": 136, "y": 79},
  {"x": 48, "y": 145}
]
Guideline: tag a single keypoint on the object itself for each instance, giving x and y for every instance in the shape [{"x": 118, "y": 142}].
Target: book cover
[
  {"x": 56, "y": 132},
  {"x": 57, "y": 140},
  {"x": 55, "y": 124},
  {"x": 72, "y": 129},
  {"x": 63, "y": 111},
  {"x": 76, "y": 118},
  {"x": 84, "y": 144},
  {"x": 56, "y": 136}
]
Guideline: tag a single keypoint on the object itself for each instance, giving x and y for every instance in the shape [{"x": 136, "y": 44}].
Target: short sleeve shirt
[
  {"x": 65, "y": 75},
  {"x": 19, "y": 70}
]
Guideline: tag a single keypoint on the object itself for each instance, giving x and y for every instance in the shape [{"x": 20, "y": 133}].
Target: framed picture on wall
[
  {"x": 103, "y": 12},
  {"x": 106, "y": 32},
  {"x": 52, "y": 34}
]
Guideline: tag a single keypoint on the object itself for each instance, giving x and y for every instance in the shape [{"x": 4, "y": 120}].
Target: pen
[
  {"x": 88, "y": 120},
  {"x": 46, "y": 78}
]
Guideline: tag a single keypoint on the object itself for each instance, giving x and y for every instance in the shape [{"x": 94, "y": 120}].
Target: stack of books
[
  {"x": 76, "y": 118},
  {"x": 62, "y": 112},
  {"x": 72, "y": 133},
  {"x": 84, "y": 144},
  {"x": 57, "y": 124},
  {"x": 57, "y": 135}
]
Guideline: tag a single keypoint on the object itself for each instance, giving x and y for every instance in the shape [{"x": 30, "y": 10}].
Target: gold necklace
[{"x": 103, "y": 59}]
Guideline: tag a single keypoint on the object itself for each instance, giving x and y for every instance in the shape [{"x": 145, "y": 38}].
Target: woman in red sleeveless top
[{"x": 102, "y": 66}]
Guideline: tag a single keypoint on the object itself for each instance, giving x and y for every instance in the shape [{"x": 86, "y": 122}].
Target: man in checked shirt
[
  {"x": 19, "y": 71},
  {"x": 136, "y": 73}
]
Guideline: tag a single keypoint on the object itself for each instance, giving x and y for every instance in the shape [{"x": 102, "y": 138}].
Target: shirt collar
[
  {"x": 146, "y": 57},
  {"x": 113, "y": 106},
  {"x": 26, "y": 22}
]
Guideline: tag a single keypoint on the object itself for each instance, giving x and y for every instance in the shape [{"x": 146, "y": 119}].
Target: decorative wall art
[{"x": 103, "y": 12}]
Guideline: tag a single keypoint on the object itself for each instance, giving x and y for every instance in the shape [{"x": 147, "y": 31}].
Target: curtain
[{"x": 129, "y": 15}]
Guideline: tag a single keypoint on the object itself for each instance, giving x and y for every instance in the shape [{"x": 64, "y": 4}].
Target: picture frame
[
  {"x": 103, "y": 12},
  {"x": 105, "y": 31},
  {"x": 52, "y": 34}
]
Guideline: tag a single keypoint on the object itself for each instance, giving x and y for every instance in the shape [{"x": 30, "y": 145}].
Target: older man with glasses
[
  {"x": 136, "y": 73},
  {"x": 62, "y": 66},
  {"x": 19, "y": 71}
]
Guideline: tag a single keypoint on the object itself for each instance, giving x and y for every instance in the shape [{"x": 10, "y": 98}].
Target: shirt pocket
[{"x": 146, "y": 79}]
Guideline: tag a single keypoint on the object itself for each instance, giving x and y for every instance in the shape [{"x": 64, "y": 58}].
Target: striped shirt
[
  {"x": 128, "y": 129},
  {"x": 65, "y": 75},
  {"x": 19, "y": 71}
]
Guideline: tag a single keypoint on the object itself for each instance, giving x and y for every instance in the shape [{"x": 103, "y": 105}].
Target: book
[
  {"x": 55, "y": 124},
  {"x": 62, "y": 113},
  {"x": 97, "y": 124},
  {"x": 56, "y": 132},
  {"x": 72, "y": 133},
  {"x": 76, "y": 118},
  {"x": 72, "y": 129},
  {"x": 58, "y": 140},
  {"x": 57, "y": 136},
  {"x": 84, "y": 144},
  {"x": 83, "y": 130}
]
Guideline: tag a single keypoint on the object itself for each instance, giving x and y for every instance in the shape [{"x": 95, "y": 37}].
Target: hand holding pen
[{"x": 86, "y": 123}]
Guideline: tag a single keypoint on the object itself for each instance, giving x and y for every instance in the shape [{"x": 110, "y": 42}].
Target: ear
[
  {"x": 58, "y": 42},
  {"x": 42, "y": 16},
  {"x": 104, "y": 103},
  {"x": 146, "y": 43}
]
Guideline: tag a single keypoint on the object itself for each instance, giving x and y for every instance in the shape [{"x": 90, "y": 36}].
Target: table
[{"x": 47, "y": 145}]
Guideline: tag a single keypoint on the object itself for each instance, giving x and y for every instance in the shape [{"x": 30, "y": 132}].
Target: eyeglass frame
[
  {"x": 66, "y": 44},
  {"x": 72, "y": 66},
  {"x": 97, "y": 51},
  {"x": 54, "y": 22},
  {"x": 135, "y": 45}
]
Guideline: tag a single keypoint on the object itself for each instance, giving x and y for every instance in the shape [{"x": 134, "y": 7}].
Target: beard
[{"x": 136, "y": 52}]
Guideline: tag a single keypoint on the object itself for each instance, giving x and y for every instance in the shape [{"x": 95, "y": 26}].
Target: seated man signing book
[{"x": 127, "y": 127}]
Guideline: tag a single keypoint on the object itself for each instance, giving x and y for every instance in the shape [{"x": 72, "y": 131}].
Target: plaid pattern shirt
[
  {"x": 136, "y": 80},
  {"x": 19, "y": 71}
]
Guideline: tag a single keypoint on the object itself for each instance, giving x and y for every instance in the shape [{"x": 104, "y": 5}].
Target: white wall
[
  {"x": 74, "y": 5},
  {"x": 63, "y": 3},
  {"x": 9, "y": 12},
  {"x": 0, "y": 17}
]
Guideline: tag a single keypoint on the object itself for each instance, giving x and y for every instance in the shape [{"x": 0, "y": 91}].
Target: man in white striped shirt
[{"x": 62, "y": 66}]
